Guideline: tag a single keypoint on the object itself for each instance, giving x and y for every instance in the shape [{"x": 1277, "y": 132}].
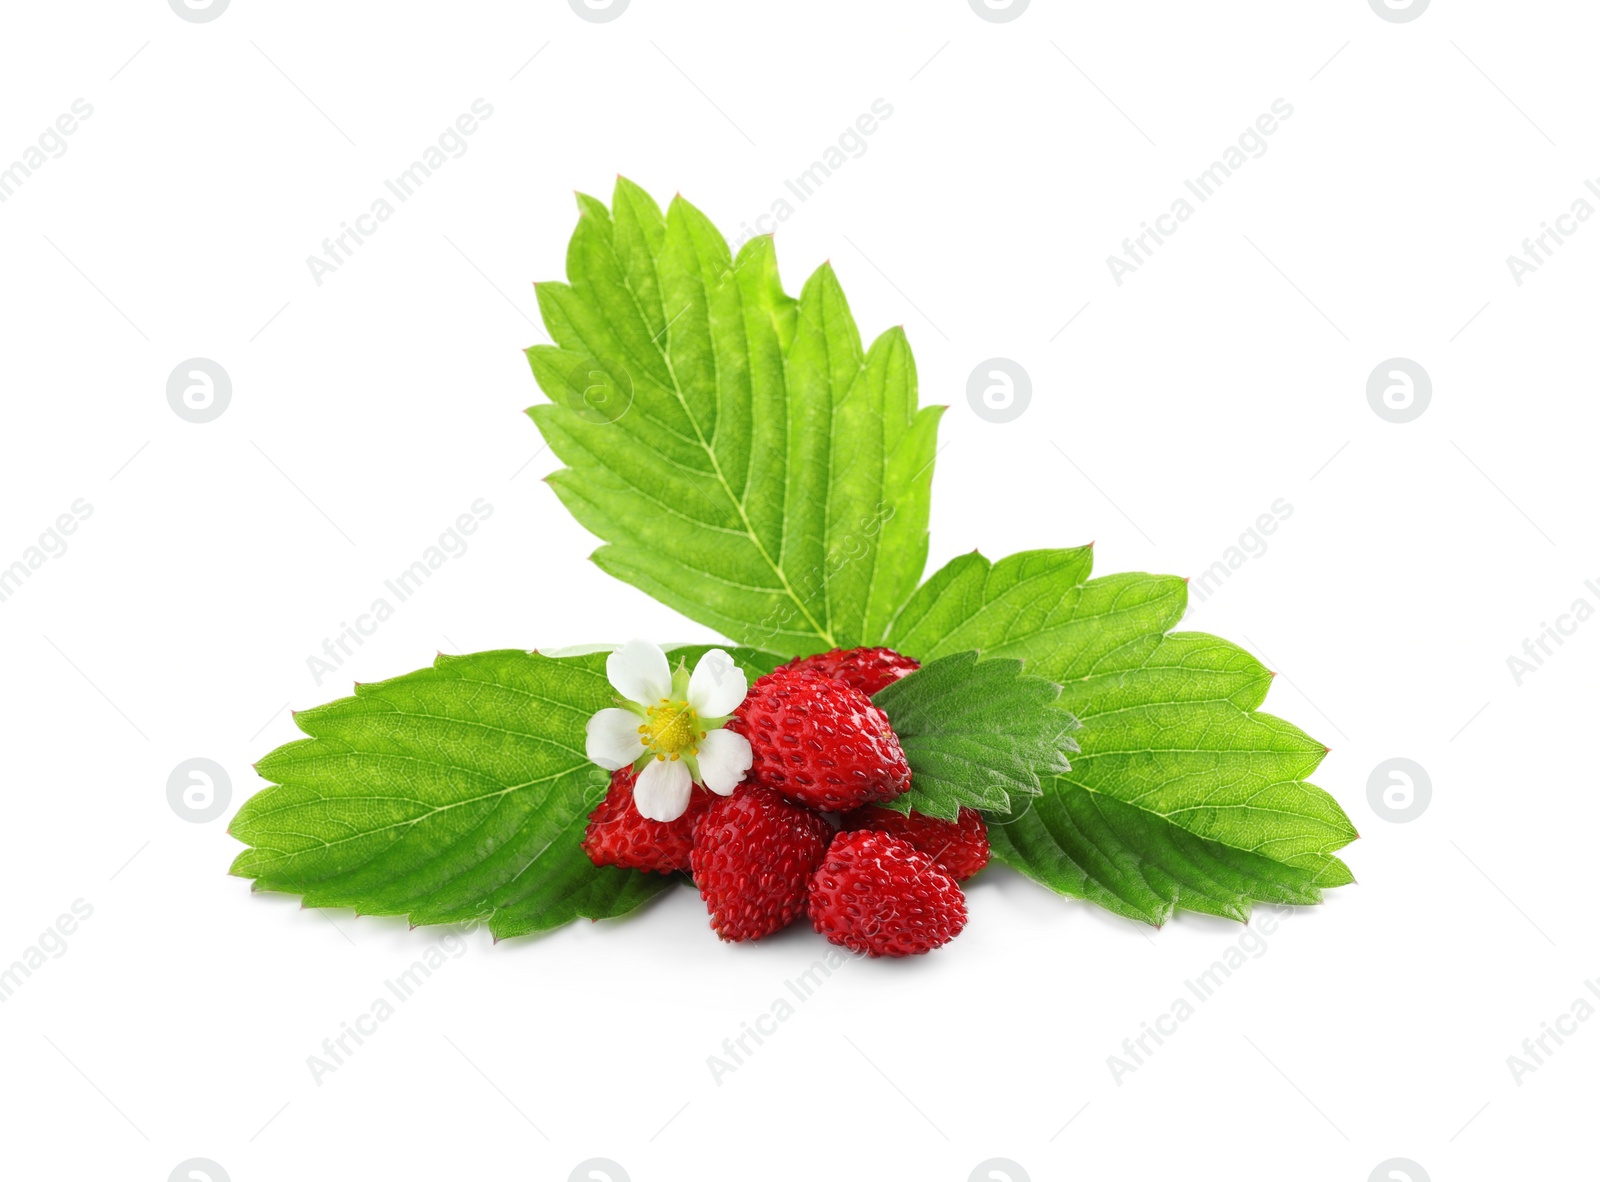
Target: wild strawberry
[
  {"x": 880, "y": 895},
  {"x": 618, "y": 836},
  {"x": 960, "y": 848},
  {"x": 867, "y": 669},
  {"x": 820, "y": 742},
  {"x": 754, "y": 854}
]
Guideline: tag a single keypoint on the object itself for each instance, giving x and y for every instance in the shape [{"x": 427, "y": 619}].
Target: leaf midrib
[
  {"x": 1166, "y": 818},
  {"x": 716, "y": 465},
  {"x": 410, "y": 822}
]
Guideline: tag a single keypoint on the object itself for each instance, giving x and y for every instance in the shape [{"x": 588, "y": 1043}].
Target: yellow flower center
[{"x": 669, "y": 728}]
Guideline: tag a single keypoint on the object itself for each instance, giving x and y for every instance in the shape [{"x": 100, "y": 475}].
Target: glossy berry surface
[
  {"x": 753, "y": 857},
  {"x": 820, "y": 742},
  {"x": 960, "y": 848},
  {"x": 618, "y": 836},
  {"x": 865, "y": 669},
  {"x": 880, "y": 895}
]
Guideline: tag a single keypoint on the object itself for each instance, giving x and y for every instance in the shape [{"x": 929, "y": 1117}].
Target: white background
[{"x": 369, "y": 411}]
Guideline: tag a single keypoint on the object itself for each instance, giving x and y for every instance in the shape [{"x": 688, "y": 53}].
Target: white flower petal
[
  {"x": 724, "y": 759},
  {"x": 718, "y": 685},
  {"x": 611, "y": 738},
  {"x": 661, "y": 792},
  {"x": 640, "y": 673}
]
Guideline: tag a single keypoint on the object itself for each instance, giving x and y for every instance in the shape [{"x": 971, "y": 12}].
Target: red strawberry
[
  {"x": 754, "y": 854},
  {"x": 820, "y": 742},
  {"x": 960, "y": 848},
  {"x": 867, "y": 669},
  {"x": 880, "y": 895},
  {"x": 618, "y": 836}
]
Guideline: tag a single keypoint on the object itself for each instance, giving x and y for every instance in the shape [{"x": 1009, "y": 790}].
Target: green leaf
[
  {"x": 1139, "y": 867},
  {"x": 745, "y": 461},
  {"x": 458, "y": 792},
  {"x": 977, "y": 734},
  {"x": 1183, "y": 796}
]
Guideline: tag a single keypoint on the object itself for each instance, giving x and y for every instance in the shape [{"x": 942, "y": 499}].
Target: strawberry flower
[{"x": 668, "y": 724}]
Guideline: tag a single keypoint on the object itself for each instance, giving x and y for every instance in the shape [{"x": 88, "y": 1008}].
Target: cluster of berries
[{"x": 803, "y": 831}]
